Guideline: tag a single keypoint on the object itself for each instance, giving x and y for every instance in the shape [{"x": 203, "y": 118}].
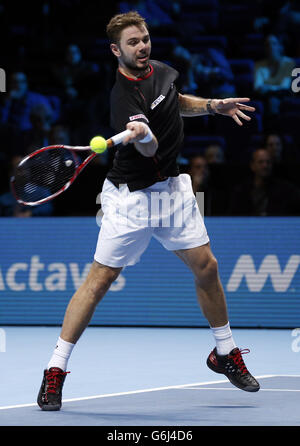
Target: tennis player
[{"x": 144, "y": 100}]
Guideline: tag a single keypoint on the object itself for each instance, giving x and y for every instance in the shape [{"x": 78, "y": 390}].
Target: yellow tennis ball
[{"x": 98, "y": 144}]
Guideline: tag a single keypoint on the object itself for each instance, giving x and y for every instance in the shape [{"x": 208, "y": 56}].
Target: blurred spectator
[
  {"x": 289, "y": 22},
  {"x": 10, "y": 138},
  {"x": 289, "y": 15},
  {"x": 214, "y": 199},
  {"x": 214, "y": 154},
  {"x": 59, "y": 134},
  {"x": 9, "y": 207},
  {"x": 199, "y": 173},
  {"x": 263, "y": 194},
  {"x": 284, "y": 19},
  {"x": 185, "y": 63},
  {"x": 173, "y": 8},
  {"x": 273, "y": 145},
  {"x": 209, "y": 72},
  {"x": 18, "y": 102},
  {"x": 214, "y": 74},
  {"x": 273, "y": 74},
  {"x": 41, "y": 118},
  {"x": 73, "y": 75},
  {"x": 77, "y": 84},
  {"x": 281, "y": 149},
  {"x": 157, "y": 13}
]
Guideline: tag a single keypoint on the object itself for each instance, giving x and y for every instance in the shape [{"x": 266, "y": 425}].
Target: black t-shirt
[{"x": 153, "y": 100}]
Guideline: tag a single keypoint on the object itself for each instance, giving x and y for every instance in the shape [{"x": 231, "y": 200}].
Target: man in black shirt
[
  {"x": 145, "y": 101},
  {"x": 153, "y": 100},
  {"x": 264, "y": 194}
]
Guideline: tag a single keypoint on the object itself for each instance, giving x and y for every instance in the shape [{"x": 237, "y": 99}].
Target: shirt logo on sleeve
[
  {"x": 140, "y": 116},
  {"x": 157, "y": 101}
]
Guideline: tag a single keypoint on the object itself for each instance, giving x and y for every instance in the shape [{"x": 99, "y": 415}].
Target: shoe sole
[
  {"x": 47, "y": 407},
  {"x": 50, "y": 408},
  {"x": 252, "y": 389}
]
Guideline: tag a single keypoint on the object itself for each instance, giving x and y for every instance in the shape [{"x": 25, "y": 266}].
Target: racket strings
[{"x": 44, "y": 174}]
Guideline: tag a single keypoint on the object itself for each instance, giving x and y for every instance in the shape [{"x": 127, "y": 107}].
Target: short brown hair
[{"x": 122, "y": 21}]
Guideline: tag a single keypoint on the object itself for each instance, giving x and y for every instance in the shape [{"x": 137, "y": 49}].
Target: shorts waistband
[{"x": 162, "y": 179}]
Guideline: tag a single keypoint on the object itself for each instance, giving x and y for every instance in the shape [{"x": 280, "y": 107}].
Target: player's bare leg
[
  {"x": 83, "y": 304},
  {"x": 226, "y": 358},
  {"x": 209, "y": 289},
  {"x": 78, "y": 314}
]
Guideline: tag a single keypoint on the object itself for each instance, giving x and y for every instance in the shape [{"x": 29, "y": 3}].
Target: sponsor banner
[{"x": 44, "y": 260}]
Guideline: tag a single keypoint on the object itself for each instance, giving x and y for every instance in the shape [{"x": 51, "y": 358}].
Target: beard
[{"x": 133, "y": 66}]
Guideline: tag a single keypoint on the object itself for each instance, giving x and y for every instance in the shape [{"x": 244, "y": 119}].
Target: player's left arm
[{"x": 233, "y": 107}]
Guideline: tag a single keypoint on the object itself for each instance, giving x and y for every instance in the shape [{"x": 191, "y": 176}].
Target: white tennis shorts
[{"x": 167, "y": 210}]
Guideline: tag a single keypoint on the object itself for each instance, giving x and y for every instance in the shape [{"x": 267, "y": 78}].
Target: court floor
[{"x": 149, "y": 377}]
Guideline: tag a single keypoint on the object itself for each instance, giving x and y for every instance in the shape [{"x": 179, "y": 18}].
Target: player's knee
[
  {"x": 100, "y": 279},
  {"x": 208, "y": 270},
  {"x": 106, "y": 278},
  {"x": 211, "y": 268}
]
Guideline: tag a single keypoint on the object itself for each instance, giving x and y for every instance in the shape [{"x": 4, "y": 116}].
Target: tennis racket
[{"x": 48, "y": 172}]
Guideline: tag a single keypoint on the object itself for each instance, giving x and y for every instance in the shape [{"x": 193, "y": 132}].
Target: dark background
[{"x": 226, "y": 35}]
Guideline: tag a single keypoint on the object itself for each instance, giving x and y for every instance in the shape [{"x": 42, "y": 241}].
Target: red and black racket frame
[{"x": 79, "y": 168}]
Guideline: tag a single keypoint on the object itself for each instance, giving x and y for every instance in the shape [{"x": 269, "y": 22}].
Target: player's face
[{"x": 135, "y": 48}]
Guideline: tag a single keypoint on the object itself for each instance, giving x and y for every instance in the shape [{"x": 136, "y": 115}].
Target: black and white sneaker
[
  {"x": 49, "y": 397},
  {"x": 233, "y": 366}
]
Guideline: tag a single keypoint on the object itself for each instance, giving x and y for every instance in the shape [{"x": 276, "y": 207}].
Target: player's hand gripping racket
[{"x": 49, "y": 171}]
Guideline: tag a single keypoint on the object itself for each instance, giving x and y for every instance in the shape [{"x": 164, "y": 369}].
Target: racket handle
[{"x": 117, "y": 139}]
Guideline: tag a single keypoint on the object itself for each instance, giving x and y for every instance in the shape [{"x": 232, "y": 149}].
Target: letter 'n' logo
[{"x": 281, "y": 279}]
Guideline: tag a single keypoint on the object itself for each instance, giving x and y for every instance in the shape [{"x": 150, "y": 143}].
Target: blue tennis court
[{"x": 150, "y": 377}]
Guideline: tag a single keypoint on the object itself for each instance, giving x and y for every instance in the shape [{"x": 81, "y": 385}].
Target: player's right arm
[{"x": 142, "y": 138}]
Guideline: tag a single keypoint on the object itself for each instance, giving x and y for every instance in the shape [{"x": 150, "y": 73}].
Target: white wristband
[{"x": 148, "y": 137}]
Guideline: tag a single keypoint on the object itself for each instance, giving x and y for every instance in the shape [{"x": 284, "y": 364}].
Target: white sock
[
  {"x": 224, "y": 339},
  {"x": 61, "y": 354}
]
